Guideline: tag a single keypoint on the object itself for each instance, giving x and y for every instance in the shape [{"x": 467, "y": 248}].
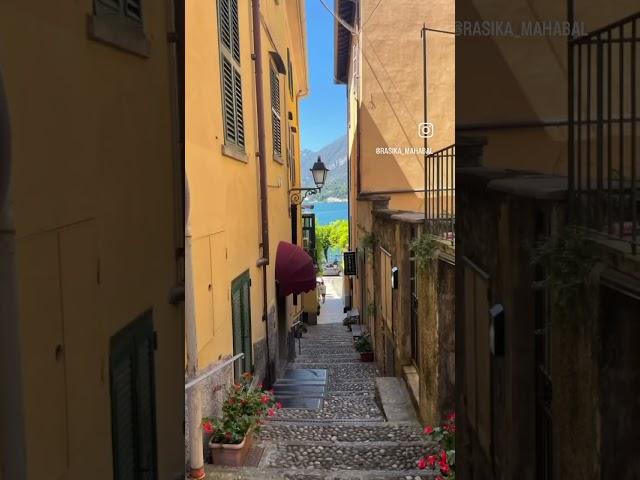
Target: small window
[
  {"x": 129, "y": 9},
  {"x": 276, "y": 122},
  {"x": 231, "y": 81}
]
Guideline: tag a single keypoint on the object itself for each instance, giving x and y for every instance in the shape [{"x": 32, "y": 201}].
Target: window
[
  {"x": 130, "y": 9},
  {"x": 119, "y": 23},
  {"x": 290, "y": 72},
  {"x": 133, "y": 422},
  {"x": 276, "y": 122},
  {"x": 231, "y": 81}
]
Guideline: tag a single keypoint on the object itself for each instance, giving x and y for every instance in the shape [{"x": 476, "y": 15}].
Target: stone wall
[{"x": 212, "y": 391}]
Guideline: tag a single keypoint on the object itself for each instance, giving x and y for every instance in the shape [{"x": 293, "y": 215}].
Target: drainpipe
[
  {"x": 262, "y": 160},
  {"x": 12, "y": 441},
  {"x": 196, "y": 460}
]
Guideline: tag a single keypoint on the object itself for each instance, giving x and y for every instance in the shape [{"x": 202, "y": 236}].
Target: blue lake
[{"x": 327, "y": 212}]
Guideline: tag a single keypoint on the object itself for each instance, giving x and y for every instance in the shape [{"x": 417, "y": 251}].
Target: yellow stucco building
[
  {"x": 93, "y": 351},
  {"x": 379, "y": 55},
  {"x": 235, "y": 294}
]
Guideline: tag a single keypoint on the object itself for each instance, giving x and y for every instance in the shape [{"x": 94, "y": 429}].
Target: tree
[
  {"x": 323, "y": 242},
  {"x": 334, "y": 235}
]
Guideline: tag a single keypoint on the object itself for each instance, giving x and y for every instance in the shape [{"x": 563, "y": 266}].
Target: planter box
[
  {"x": 231, "y": 455},
  {"x": 366, "y": 356}
]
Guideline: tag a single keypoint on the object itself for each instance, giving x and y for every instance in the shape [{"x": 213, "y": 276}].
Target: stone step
[
  {"x": 252, "y": 473},
  {"x": 349, "y": 456},
  {"x": 395, "y": 399},
  {"x": 342, "y": 432}
]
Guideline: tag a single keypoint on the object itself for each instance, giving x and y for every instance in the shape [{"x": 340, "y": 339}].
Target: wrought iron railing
[
  {"x": 440, "y": 193},
  {"x": 603, "y": 130}
]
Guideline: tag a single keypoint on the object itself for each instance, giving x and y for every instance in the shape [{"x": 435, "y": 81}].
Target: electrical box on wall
[
  {"x": 496, "y": 330},
  {"x": 394, "y": 278}
]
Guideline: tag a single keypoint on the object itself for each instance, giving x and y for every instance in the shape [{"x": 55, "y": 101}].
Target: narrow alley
[{"x": 348, "y": 437}]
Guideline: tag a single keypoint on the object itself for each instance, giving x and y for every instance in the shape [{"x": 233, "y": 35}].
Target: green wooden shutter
[
  {"x": 237, "y": 91},
  {"x": 235, "y": 31},
  {"x": 133, "y": 9},
  {"x": 228, "y": 95},
  {"x": 224, "y": 23},
  {"x": 246, "y": 326},
  {"x": 133, "y": 401},
  {"x": 241, "y": 319},
  {"x": 275, "y": 113},
  {"x": 236, "y": 317},
  {"x": 229, "y": 40}
]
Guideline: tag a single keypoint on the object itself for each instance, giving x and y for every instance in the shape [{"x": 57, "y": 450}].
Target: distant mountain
[{"x": 334, "y": 157}]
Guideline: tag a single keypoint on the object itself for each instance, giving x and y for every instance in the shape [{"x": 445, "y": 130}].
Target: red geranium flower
[
  {"x": 271, "y": 412},
  {"x": 279, "y": 405},
  {"x": 422, "y": 464},
  {"x": 444, "y": 467},
  {"x": 428, "y": 429},
  {"x": 264, "y": 399},
  {"x": 431, "y": 460},
  {"x": 208, "y": 427}
]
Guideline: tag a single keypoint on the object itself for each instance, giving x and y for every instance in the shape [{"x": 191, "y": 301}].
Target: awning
[{"x": 295, "y": 272}]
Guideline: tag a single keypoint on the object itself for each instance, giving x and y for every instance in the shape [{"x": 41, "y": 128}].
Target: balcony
[
  {"x": 603, "y": 131},
  {"x": 440, "y": 193}
]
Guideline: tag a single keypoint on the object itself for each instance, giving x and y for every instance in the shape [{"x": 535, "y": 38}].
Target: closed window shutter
[
  {"x": 237, "y": 90},
  {"x": 236, "y": 320},
  {"x": 225, "y": 24},
  {"x": 133, "y": 401},
  {"x": 130, "y": 9},
  {"x": 122, "y": 395},
  {"x": 228, "y": 93},
  {"x": 145, "y": 407},
  {"x": 235, "y": 31},
  {"x": 275, "y": 113},
  {"x": 229, "y": 33},
  {"x": 133, "y": 9}
]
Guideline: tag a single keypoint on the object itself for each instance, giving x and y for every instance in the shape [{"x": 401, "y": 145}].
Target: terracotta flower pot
[
  {"x": 366, "y": 356},
  {"x": 232, "y": 455}
]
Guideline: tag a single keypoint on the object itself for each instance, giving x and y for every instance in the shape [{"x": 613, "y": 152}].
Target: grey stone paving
[{"x": 348, "y": 438}]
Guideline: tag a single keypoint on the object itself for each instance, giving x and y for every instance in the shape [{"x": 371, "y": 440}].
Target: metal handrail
[{"x": 215, "y": 369}]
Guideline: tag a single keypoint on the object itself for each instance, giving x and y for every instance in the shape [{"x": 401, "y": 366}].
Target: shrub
[{"x": 445, "y": 461}]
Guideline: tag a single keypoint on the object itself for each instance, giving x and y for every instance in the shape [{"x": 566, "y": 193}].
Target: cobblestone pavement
[{"x": 348, "y": 438}]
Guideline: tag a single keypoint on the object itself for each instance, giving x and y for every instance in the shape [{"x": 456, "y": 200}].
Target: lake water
[{"x": 327, "y": 212}]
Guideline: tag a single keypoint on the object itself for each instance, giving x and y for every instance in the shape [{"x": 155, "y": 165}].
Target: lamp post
[{"x": 319, "y": 172}]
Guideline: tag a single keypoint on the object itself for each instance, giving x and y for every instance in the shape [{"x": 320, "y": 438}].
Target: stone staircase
[{"x": 349, "y": 437}]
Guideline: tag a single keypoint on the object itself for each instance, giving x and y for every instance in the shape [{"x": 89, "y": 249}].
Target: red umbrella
[{"x": 295, "y": 272}]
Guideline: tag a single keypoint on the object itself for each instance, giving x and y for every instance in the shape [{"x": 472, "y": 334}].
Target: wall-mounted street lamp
[{"x": 319, "y": 172}]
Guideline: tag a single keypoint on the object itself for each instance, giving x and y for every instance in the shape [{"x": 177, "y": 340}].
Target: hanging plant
[
  {"x": 425, "y": 248},
  {"x": 567, "y": 259},
  {"x": 369, "y": 241}
]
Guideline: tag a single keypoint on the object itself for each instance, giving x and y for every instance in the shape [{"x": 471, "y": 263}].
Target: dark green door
[
  {"x": 241, "y": 314},
  {"x": 133, "y": 422}
]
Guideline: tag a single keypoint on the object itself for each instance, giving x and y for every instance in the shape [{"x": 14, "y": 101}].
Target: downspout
[
  {"x": 12, "y": 440},
  {"x": 196, "y": 460},
  {"x": 262, "y": 160}
]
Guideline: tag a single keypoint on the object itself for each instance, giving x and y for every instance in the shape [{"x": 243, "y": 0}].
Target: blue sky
[{"x": 323, "y": 113}]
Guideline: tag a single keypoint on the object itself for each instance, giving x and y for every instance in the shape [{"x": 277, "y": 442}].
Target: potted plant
[
  {"x": 363, "y": 345},
  {"x": 243, "y": 411}
]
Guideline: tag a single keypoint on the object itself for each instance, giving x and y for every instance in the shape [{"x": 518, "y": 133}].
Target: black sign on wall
[{"x": 350, "y": 263}]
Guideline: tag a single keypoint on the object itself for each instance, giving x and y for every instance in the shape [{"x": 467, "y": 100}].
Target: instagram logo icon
[{"x": 425, "y": 130}]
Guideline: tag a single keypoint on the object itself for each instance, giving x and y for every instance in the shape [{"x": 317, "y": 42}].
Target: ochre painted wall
[
  {"x": 224, "y": 191},
  {"x": 97, "y": 230}
]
